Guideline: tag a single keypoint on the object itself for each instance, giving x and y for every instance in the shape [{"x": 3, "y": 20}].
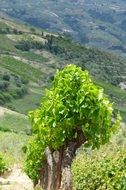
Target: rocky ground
[{"x": 16, "y": 180}]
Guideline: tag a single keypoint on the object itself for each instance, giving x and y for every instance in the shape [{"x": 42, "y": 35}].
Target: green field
[
  {"x": 11, "y": 147},
  {"x": 15, "y": 123},
  {"x": 14, "y": 133},
  {"x": 6, "y": 44},
  {"x": 20, "y": 68},
  {"x": 34, "y": 57},
  {"x": 29, "y": 102}
]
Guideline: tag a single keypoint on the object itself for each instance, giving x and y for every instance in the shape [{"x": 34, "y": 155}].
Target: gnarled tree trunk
[{"x": 56, "y": 174}]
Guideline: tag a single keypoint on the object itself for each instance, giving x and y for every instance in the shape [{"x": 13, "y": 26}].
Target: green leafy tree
[{"x": 72, "y": 112}]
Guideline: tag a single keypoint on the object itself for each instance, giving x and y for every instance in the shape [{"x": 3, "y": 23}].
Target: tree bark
[{"x": 56, "y": 171}]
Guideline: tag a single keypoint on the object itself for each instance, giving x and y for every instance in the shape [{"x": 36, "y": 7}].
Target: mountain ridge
[{"x": 95, "y": 23}]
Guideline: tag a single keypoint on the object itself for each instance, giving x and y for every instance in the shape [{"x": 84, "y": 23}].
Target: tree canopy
[{"x": 73, "y": 102}]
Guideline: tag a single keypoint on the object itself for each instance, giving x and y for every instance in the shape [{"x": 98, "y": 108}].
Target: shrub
[
  {"x": 100, "y": 172},
  {"x": 6, "y": 77},
  {"x": 18, "y": 82},
  {"x": 4, "y": 85},
  {"x": 10, "y": 106},
  {"x": 7, "y": 97},
  {"x": 23, "y": 45},
  {"x": 2, "y": 165},
  {"x": 2, "y": 100},
  {"x": 24, "y": 80},
  {"x": 21, "y": 91},
  {"x": 27, "y": 45}
]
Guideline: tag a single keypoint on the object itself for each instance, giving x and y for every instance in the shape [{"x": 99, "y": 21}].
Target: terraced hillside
[
  {"x": 97, "y": 23},
  {"x": 30, "y": 56}
]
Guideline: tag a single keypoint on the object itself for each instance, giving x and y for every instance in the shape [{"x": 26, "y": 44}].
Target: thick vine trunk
[{"x": 56, "y": 174}]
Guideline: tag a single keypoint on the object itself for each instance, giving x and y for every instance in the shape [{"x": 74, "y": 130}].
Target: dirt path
[
  {"x": 16, "y": 180},
  {"x": 5, "y": 110}
]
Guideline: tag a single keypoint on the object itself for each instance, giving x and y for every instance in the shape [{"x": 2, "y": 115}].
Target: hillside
[
  {"x": 97, "y": 23},
  {"x": 29, "y": 58},
  {"x": 14, "y": 133}
]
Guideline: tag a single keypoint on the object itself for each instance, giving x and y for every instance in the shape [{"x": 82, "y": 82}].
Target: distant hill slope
[
  {"x": 15, "y": 131},
  {"x": 30, "y": 56},
  {"x": 97, "y": 23},
  {"x": 11, "y": 121}
]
